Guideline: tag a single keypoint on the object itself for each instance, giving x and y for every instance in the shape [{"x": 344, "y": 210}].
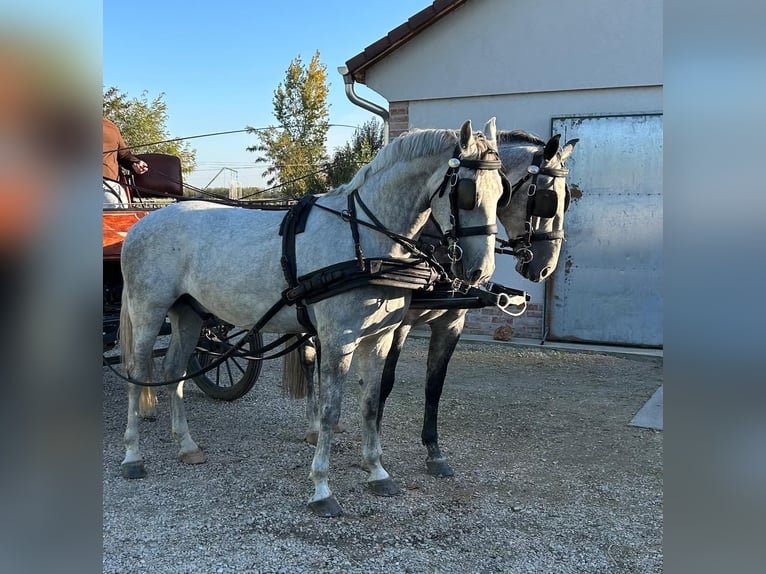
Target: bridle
[
  {"x": 541, "y": 202},
  {"x": 463, "y": 196}
]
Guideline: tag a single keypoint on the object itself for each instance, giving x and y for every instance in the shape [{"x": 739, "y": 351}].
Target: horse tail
[
  {"x": 294, "y": 383},
  {"x": 125, "y": 333},
  {"x": 147, "y": 403}
]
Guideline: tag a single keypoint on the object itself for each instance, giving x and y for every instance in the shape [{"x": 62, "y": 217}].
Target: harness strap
[
  {"x": 294, "y": 222},
  {"x": 354, "y": 223},
  {"x": 547, "y": 235},
  {"x": 443, "y": 296},
  {"x": 412, "y": 273},
  {"x": 477, "y": 230},
  {"x": 417, "y": 248}
]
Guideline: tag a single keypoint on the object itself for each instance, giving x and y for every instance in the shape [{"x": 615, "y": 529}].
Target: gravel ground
[{"x": 549, "y": 477}]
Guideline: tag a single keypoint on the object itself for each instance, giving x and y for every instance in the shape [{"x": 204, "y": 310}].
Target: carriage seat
[{"x": 163, "y": 179}]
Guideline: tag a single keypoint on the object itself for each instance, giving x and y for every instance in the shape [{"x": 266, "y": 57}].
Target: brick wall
[
  {"x": 400, "y": 119},
  {"x": 485, "y": 321}
]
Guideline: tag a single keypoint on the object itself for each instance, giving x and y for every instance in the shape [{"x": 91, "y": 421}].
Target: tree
[
  {"x": 143, "y": 122},
  {"x": 347, "y": 159},
  {"x": 295, "y": 149}
]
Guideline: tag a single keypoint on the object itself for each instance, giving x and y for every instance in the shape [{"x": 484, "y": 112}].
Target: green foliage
[
  {"x": 347, "y": 159},
  {"x": 143, "y": 122},
  {"x": 295, "y": 149}
]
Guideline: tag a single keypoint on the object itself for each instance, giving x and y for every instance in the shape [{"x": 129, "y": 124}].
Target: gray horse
[
  {"x": 534, "y": 222},
  {"x": 192, "y": 257}
]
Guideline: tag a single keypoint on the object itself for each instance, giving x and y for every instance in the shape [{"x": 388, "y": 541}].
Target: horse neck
[{"x": 399, "y": 196}]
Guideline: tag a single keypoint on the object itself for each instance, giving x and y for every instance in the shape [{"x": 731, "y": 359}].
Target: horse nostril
[{"x": 544, "y": 272}]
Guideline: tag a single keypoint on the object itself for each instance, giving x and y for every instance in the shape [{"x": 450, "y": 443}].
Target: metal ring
[
  {"x": 454, "y": 252},
  {"x": 525, "y": 255},
  {"x": 503, "y": 301}
]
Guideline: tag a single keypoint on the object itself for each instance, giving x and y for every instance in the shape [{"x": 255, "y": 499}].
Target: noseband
[{"x": 463, "y": 196}]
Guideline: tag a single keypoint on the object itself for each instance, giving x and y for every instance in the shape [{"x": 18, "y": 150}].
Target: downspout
[{"x": 348, "y": 79}]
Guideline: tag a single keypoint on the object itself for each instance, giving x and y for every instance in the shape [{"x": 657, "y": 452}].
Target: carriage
[{"x": 155, "y": 189}]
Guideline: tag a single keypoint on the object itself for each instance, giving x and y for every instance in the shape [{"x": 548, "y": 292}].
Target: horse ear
[
  {"x": 466, "y": 134},
  {"x": 552, "y": 147},
  {"x": 566, "y": 151},
  {"x": 490, "y": 131}
]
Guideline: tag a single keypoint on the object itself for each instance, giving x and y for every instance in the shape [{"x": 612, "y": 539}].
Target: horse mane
[
  {"x": 517, "y": 136},
  {"x": 411, "y": 144}
]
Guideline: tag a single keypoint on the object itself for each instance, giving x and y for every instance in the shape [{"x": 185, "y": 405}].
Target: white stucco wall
[
  {"x": 519, "y": 46},
  {"x": 533, "y": 112},
  {"x": 526, "y": 62}
]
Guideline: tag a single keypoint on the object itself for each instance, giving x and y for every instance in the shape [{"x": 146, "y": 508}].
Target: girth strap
[{"x": 294, "y": 222}]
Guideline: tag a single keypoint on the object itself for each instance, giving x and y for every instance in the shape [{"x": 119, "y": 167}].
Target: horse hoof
[
  {"x": 133, "y": 469},
  {"x": 194, "y": 457},
  {"x": 439, "y": 468},
  {"x": 326, "y": 508},
  {"x": 385, "y": 487}
]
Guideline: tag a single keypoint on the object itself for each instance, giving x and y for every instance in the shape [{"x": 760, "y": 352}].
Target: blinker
[
  {"x": 533, "y": 169},
  {"x": 545, "y": 203},
  {"x": 465, "y": 192},
  {"x": 453, "y": 162}
]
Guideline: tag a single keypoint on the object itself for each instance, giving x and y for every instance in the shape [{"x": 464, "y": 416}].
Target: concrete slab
[
  {"x": 558, "y": 345},
  {"x": 650, "y": 415}
]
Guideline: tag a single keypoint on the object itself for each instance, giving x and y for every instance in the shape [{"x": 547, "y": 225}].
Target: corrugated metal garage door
[{"x": 607, "y": 287}]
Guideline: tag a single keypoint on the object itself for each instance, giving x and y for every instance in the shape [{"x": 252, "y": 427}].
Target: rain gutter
[{"x": 348, "y": 79}]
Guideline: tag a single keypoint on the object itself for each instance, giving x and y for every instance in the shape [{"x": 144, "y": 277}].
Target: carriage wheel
[{"x": 234, "y": 377}]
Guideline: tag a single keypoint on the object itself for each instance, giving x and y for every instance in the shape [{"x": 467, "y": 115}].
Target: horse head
[
  {"x": 465, "y": 205},
  {"x": 536, "y": 199}
]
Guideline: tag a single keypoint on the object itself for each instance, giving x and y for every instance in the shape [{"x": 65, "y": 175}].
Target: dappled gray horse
[
  {"x": 533, "y": 217},
  {"x": 193, "y": 257}
]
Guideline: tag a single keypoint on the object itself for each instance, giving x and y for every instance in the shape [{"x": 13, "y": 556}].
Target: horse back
[{"x": 210, "y": 252}]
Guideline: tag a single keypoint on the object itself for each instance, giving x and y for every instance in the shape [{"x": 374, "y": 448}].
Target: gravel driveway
[{"x": 549, "y": 477}]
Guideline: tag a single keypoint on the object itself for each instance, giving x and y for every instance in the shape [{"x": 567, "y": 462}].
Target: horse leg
[
  {"x": 372, "y": 356},
  {"x": 137, "y": 343},
  {"x": 185, "y": 326},
  {"x": 308, "y": 362},
  {"x": 335, "y": 363},
  {"x": 445, "y": 333},
  {"x": 309, "y": 354},
  {"x": 133, "y": 464},
  {"x": 388, "y": 378}
]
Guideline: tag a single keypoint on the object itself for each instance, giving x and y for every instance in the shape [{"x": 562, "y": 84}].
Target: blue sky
[{"x": 219, "y": 62}]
